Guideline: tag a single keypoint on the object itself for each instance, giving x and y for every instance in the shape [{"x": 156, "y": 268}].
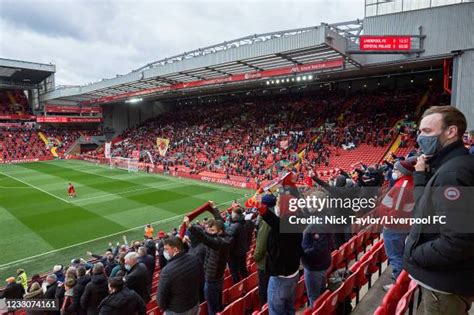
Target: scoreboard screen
[{"x": 384, "y": 43}]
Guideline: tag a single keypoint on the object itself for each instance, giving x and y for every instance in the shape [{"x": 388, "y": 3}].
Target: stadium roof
[
  {"x": 256, "y": 57},
  {"x": 23, "y": 74}
]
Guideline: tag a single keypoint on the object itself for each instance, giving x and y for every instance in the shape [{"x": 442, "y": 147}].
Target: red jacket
[{"x": 398, "y": 202}]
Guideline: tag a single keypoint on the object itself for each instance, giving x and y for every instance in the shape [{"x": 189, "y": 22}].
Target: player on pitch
[{"x": 71, "y": 191}]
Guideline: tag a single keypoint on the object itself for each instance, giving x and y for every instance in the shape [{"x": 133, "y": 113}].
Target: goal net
[{"x": 127, "y": 164}]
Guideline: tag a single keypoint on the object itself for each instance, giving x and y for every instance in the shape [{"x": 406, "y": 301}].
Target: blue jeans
[
  {"x": 213, "y": 295},
  {"x": 394, "y": 242},
  {"x": 315, "y": 282},
  {"x": 281, "y": 295}
]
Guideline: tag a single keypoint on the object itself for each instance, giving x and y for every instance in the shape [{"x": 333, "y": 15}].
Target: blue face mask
[
  {"x": 166, "y": 255},
  {"x": 128, "y": 267},
  {"x": 430, "y": 145},
  {"x": 394, "y": 176}
]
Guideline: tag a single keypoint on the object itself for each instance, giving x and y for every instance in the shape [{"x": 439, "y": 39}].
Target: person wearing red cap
[{"x": 397, "y": 203}]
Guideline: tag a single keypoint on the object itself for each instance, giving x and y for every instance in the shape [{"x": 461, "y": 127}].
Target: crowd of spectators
[
  {"x": 23, "y": 141},
  {"x": 257, "y": 138}
]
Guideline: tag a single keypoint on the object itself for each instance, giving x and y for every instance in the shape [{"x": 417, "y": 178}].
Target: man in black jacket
[
  {"x": 283, "y": 260},
  {"x": 137, "y": 276},
  {"x": 121, "y": 300},
  {"x": 440, "y": 257},
  {"x": 238, "y": 230},
  {"x": 13, "y": 290},
  {"x": 178, "y": 289},
  {"x": 95, "y": 291},
  {"x": 82, "y": 280},
  {"x": 149, "y": 263},
  {"x": 50, "y": 293},
  {"x": 218, "y": 243}
]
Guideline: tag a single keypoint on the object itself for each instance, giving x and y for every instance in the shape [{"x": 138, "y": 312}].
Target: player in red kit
[{"x": 71, "y": 191}]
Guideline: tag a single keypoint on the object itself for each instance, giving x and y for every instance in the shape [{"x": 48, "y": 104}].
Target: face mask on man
[
  {"x": 128, "y": 267},
  {"x": 430, "y": 145},
  {"x": 166, "y": 255},
  {"x": 395, "y": 176}
]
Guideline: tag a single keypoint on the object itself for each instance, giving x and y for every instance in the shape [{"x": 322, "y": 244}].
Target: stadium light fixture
[
  {"x": 278, "y": 81},
  {"x": 431, "y": 79},
  {"x": 310, "y": 77},
  {"x": 134, "y": 100},
  {"x": 273, "y": 82},
  {"x": 268, "y": 82},
  {"x": 411, "y": 81},
  {"x": 298, "y": 79},
  {"x": 304, "y": 78},
  {"x": 292, "y": 79}
]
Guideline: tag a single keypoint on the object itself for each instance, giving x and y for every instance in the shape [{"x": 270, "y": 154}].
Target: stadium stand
[{"x": 253, "y": 146}]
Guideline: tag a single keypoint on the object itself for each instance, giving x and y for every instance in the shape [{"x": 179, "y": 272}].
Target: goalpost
[{"x": 128, "y": 164}]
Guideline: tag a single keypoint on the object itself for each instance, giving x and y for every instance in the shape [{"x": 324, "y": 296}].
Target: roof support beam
[{"x": 249, "y": 65}]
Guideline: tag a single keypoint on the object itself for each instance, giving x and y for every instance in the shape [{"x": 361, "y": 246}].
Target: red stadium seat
[
  {"x": 350, "y": 251},
  {"x": 300, "y": 299},
  {"x": 233, "y": 293},
  {"x": 251, "y": 282},
  {"x": 203, "y": 308},
  {"x": 253, "y": 267},
  {"x": 263, "y": 311},
  {"x": 381, "y": 311},
  {"x": 227, "y": 283},
  {"x": 406, "y": 300},
  {"x": 236, "y": 307},
  {"x": 329, "y": 306},
  {"x": 361, "y": 275},
  {"x": 252, "y": 302},
  {"x": 155, "y": 311},
  {"x": 391, "y": 299},
  {"x": 319, "y": 301}
]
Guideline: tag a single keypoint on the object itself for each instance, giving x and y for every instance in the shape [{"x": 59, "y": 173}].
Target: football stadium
[{"x": 320, "y": 170}]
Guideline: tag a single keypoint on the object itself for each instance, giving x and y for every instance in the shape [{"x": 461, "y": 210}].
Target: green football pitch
[{"x": 40, "y": 226}]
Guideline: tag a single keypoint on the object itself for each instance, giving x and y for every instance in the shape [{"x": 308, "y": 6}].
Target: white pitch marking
[
  {"x": 99, "y": 238},
  {"x": 35, "y": 187}
]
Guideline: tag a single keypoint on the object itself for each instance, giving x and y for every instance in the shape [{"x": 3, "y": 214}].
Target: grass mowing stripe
[
  {"x": 166, "y": 177},
  {"x": 165, "y": 205},
  {"x": 75, "y": 201},
  {"x": 33, "y": 186},
  {"x": 99, "y": 238}
]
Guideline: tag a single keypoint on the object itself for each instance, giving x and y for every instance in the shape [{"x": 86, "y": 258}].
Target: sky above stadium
[{"x": 95, "y": 39}]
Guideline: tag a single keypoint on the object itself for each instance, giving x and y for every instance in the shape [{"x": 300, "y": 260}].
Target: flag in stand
[
  {"x": 108, "y": 146},
  {"x": 162, "y": 145}
]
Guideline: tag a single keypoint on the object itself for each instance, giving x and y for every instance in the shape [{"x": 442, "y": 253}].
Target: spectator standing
[
  {"x": 95, "y": 291},
  {"x": 137, "y": 276},
  {"x": 178, "y": 289},
  {"x": 240, "y": 245},
  {"x": 260, "y": 257},
  {"x": 440, "y": 258},
  {"x": 316, "y": 260},
  {"x": 218, "y": 243},
  {"x": 121, "y": 300},
  {"x": 34, "y": 292}
]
